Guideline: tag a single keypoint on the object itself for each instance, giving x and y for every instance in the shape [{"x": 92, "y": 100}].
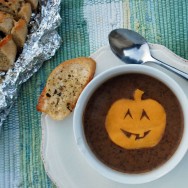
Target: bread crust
[
  {"x": 19, "y": 32},
  {"x": 14, "y": 18},
  {"x": 34, "y": 3},
  {"x": 11, "y": 6},
  {"x": 64, "y": 86},
  {"x": 25, "y": 12},
  {"x": 7, "y": 59},
  {"x": 6, "y": 22}
]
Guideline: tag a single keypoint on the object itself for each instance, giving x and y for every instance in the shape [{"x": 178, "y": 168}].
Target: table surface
[{"x": 85, "y": 27}]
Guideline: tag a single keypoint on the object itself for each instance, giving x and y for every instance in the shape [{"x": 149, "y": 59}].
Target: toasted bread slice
[{"x": 64, "y": 86}]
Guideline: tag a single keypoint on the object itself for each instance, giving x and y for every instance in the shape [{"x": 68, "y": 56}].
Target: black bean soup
[{"x": 132, "y": 160}]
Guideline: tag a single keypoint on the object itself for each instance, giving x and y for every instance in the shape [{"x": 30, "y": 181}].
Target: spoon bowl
[{"x": 132, "y": 48}]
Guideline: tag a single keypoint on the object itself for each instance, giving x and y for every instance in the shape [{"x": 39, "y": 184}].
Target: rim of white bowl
[{"x": 94, "y": 161}]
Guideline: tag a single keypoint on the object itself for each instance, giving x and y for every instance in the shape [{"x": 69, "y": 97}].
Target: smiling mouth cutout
[{"x": 136, "y": 136}]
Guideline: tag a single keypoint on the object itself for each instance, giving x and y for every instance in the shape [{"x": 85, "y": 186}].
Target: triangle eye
[
  {"x": 128, "y": 113},
  {"x": 144, "y": 114}
]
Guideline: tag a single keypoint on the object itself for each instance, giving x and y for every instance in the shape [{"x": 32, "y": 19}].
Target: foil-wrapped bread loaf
[{"x": 14, "y": 18}]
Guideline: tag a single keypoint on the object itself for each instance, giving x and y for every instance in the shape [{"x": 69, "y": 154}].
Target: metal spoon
[{"x": 133, "y": 48}]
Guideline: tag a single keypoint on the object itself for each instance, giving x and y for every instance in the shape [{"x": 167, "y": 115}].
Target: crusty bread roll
[
  {"x": 34, "y": 3},
  {"x": 11, "y": 6},
  {"x": 64, "y": 85},
  {"x": 6, "y": 22},
  {"x": 8, "y": 52},
  {"x": 19, "y": 32},
  {"x": 25, "y": 12},
  {"x": 14, "y": 21}
]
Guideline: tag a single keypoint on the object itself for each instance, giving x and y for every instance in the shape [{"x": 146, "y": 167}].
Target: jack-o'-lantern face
[{"x": 134, "y": 124}]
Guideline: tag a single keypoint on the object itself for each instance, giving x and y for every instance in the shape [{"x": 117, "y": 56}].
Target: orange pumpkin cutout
[{"x": 135, "y": 124}]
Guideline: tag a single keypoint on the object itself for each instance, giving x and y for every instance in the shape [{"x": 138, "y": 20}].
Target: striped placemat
[{"x": 85, "y": 28}]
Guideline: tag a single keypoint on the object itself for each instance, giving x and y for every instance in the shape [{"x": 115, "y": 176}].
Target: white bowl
[{"x": 90, "y": 156}]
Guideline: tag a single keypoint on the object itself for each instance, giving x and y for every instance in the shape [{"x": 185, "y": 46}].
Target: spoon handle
[{"x": 173, "y": 69}]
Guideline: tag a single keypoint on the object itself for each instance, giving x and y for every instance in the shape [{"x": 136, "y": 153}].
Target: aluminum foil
[{"x": 41, "y": 45}]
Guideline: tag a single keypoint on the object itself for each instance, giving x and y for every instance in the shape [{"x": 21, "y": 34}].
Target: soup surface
[{"x": 142, "y": 99}]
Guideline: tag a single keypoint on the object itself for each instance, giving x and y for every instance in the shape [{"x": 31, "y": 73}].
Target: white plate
[{"x": 64, "y": 163}]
